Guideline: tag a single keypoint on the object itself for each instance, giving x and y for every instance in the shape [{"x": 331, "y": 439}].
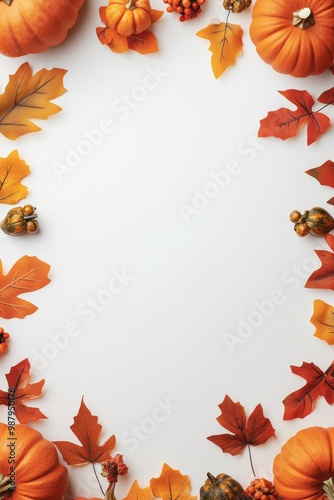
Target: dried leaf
[
  {"x": 324, "y": 276},
  {"x": 19, "y": 390},
  {"x": 12, "y": 171},
  {"x": 28, "y": 97},
  {"x": 27, "y": 275},
  {"x": 323, "y": 320},
  {"x": 254, "y": 431},
  {"x": 285, "y": 123},
  {"x": 87, "y": 429},
  {"x": 225, "y": 44},
  {"x": 325, "y": 175},
  {"x": 327, "y": 97},
  {"x": 137, "y": 493},
  {"x": 301, "y": 403},
  {"x": 171, "y": 485}
]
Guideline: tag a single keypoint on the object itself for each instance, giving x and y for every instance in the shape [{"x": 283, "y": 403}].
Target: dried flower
[
  {"x": 113, "y": 468},
  {"x": 4, "y": 337}
]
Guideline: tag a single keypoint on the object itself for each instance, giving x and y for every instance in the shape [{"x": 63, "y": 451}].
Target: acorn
[{"x": 316, "y": 221}]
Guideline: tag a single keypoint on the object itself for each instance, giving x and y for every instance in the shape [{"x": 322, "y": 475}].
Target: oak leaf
[
  {"x": 138, "y": 493},
  {"x": 171, "y": 485},
  {"x": 27, "y": 275},
  {"x": 225, "y": 44},
  {"x": 28, "y": 97},
  {"x": 324, "y": 174},
  {"x": 324, "y": 276},
  {"x": 301, "y": 403},
  {"x": 12, "y": 171},
  {"x": 323, "y": 320},
  {"x": 254, "y": 431},
  {"x": 19, "y": 390},
  {"x": 285, "y": 123},
  {"x": 87, "y": 429},
  {"x": 144, "y": 42}
]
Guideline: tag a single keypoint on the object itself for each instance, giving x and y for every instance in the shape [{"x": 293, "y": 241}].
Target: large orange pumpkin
[
  {"x": 30, "y": 26},
  {"x": 31, "y": 464},
  {"x": 305, "y": 463},
  {"x": 129, "y": 17},
  {"x": 295, "y": 36}
]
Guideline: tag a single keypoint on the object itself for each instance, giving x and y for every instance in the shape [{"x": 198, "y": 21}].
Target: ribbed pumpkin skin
[
  {"x": 38, "y": 473},
  {"x": 222, "y": 487},
  {"x": 32, "y": 26},
  {"x": 306, "y": 460},
  {"x": 129, "y": 21},
  {"x": 289, "y": 49}
]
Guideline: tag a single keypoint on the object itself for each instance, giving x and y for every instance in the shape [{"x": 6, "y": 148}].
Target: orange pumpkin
[
  {"x": 129, "y": 17},
  {"x": 305, "y": 463},
  {"x": 30, "y": 463},
  {"x": 31, "y": 26},
  {"x": 295, "y": 36}
]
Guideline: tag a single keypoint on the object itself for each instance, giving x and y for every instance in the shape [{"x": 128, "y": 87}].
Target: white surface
[{"x": 162, "y": 337}]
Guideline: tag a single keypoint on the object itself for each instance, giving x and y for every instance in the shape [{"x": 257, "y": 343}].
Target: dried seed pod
[
  {"x": 236, "y": 6},
  {"x": 316, "y": 221}
]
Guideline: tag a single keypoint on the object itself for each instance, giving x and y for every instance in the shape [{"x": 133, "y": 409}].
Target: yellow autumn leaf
[
  {"x": 12, "y": 171},
  {"x": 138, "y": 493},
  {"x": 225, "y": 45},
  {"x": 323, "y": 320},
  {"x": 171, "y": 485},
  {"x": 28, "y": 97}
]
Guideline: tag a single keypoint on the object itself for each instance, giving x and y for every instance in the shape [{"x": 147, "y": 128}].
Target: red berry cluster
[
  {"x": 188, "y": 9},
  {"x": 261, "y": 489}
]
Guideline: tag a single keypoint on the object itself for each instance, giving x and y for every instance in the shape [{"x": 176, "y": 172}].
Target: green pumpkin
[{"x": 222, "y": 487}]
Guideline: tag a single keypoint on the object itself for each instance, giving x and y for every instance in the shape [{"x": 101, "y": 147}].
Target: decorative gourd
[
  {"x": 31, "y": 26},
  {"x": 305, "y": 465},
  {"x": 129, "y": 17},
  {"x": 222, "y": 487},
  {"x": 316, "y": 221},
  {"x": 29, "y": 462},
  {"x": 295, "y": 36}
]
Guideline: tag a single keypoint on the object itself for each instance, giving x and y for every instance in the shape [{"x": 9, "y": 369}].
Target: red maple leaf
[
  {"x": 244, "y": 432},
  {"x": 300, "y": 403},
  {"x": 327, "y": 97},
  {"x": 324, "y": 276},
  {"x": 87, "y": 430},
  {"x": 19, "y": 391},
  {"x": 324, "y": 174},
  {"x": 285, "y": 123}
]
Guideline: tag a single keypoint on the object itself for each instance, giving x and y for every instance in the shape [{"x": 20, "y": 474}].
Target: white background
[{"x": 162, "y": 339}]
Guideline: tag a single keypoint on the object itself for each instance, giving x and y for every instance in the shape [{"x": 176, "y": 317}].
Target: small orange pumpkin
[
  {"x": 295, "y": 36},
  {"x": 129, "y": 17},
  {"x": 305, "y": 464},
  {"x": 31, "y": 26},
  {"x": 222, "y": 487},
  {"x": 30, "y": 464}
]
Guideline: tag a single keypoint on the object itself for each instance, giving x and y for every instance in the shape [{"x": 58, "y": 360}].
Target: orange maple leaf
[
  {"x": 28, "y": 96},
  {"x": 225, "y": 45},
  {"x": 138, "y": 493},
  {"x": 87, "y": 430},
  {"x": 323, "y": 320},
  {"x": 27, "y": 275},
  {"x": 171, "y": 485},
  {"x": 19, "y": 390},
  {"x": 12, "y": 171}
]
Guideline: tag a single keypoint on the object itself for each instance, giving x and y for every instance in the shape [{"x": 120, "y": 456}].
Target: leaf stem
[
  {"x": 250, "y": 460},
  {"x": 97, "y": 479}
]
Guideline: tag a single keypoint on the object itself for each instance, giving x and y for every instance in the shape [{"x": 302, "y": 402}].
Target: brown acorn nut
[
  {"x": 316, "y": 221},
  {"x": 236, "y": 6}
]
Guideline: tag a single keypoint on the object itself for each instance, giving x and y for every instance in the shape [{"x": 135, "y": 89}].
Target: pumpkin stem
[
  {"x": 212, "y": 479},
  {"x": 303, "y": 18},
  {"x": 131, "y": 5},
  {"x": 5, "y": 486},
  {"x": 328, "y": 488},
  {"x": 7, "y": 2}
]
